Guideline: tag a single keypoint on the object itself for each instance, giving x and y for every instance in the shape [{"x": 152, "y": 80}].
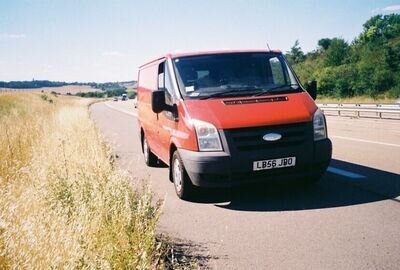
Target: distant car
[
  {"x": 115, "y": 99},
  {"x": 124, "y": 97}
]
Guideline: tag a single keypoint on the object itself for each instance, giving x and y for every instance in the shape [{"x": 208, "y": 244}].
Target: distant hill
[
  {"x": 32, "y": 84},
  {"x": 129, "y": 84},
  {"x": 37, "y": 84}
]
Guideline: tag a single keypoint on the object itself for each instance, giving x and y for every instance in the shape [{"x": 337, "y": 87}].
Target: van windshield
[{"x": 233, "y": 74}]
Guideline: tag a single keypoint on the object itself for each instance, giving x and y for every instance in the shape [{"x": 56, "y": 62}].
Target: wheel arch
[
  {"x": 172, "y": 149},
  {"x": 141, "y": 138}
]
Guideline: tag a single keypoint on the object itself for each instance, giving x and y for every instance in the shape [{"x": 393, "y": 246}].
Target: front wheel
[
  {"x": 183, "y": 185},
  {"x": 149, "y": 158}
]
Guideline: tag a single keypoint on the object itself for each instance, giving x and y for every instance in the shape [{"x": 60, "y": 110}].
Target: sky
[{"x": 104, "y": 40}]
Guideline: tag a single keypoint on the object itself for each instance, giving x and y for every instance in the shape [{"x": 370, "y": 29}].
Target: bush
[
  {"x": 394, "y": 92},
  {"x": 337, "y": 52},
  {"x": 131, "y": 95},
  {"x": 337, "y": 81},
  {"x": 96, "y": 94}
]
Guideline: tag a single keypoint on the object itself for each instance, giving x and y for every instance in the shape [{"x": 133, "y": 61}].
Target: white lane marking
[
  {"x": 121, "y": 110},
  {"x": 345, "y": 173},
  {"x": 365, "y": 141}
]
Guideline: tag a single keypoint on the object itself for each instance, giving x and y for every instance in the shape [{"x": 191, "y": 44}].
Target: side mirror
[
  {"x": 311, "y": 87},
  {"x": 158, "y": 101}
]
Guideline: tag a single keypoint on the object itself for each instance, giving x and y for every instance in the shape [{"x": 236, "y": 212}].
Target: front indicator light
[{"x": 319, "y": 126}]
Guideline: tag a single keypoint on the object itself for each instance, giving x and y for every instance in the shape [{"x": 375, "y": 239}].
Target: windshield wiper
[
  {"x": 277, "y": 88},
  {"x": 242, "y": 87},
  {"x": 224, "y": 93}
]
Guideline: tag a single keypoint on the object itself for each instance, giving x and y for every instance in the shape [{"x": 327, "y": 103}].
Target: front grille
[{"x": 251, "y": 139}]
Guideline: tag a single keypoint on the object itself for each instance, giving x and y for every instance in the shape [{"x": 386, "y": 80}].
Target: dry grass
[
  {"x": 358, "y": 99},
  {"x": 63, "y": 204},
  {"x": 73, "y": 89}
]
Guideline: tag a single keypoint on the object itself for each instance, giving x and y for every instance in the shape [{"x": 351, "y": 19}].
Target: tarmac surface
[{"x": 350, "y": 219}]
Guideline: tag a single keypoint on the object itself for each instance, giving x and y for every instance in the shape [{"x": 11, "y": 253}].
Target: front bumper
[{"x": 221, "y": 169}]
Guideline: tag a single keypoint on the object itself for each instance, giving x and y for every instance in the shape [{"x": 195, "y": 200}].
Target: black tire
[
  {"x": 183, "y": 186},
  {"x": 149, "y": 158}
]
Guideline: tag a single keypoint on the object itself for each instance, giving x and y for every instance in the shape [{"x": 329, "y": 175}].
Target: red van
[{"x": 225, "y": 118}]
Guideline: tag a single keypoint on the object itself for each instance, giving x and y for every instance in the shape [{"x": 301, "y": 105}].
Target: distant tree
[
  {"x": 380, "y": 28},
  {"x": 324, "y": 43},
  {"x": 295, "y": 55},
  {"x": 370, "y": 65},
  {"x": 392, "y": 56},
  {"x": 336, "y": 52}
]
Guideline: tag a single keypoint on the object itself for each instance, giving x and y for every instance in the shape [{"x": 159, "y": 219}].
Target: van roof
[{"x": 182, "y": 54}]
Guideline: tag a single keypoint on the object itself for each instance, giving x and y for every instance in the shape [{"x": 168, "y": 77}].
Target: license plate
[{"x": 274, "y": 163}]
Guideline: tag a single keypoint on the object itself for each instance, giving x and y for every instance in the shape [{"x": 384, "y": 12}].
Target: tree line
[
  {"x": 33, "y": 84},
  {"x": 105, "y": 93},
  {"x": 369, "y": 65},
  {"x": 108, "y": 86}
]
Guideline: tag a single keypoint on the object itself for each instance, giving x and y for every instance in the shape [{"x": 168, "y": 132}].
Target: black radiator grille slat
[
  {"x": 255, "y": 100},
  {"x": 251, "y": 139}
]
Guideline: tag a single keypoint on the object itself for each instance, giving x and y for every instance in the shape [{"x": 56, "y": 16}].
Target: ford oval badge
[{"x": 272, "y": 137}]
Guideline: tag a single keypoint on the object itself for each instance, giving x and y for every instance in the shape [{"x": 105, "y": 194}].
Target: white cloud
[
  {"x": 12, "y": 36},
  {"x": 375, "y": 10},
  {"x": 391, "y": 8},
  {"x": 388, "y": 9},
  {"x": 113, "y": 53}
]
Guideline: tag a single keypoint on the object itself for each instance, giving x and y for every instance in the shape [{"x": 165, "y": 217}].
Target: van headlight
[
  {"x": 207, "y": 136},
  {"x": 319, "y": 126}
]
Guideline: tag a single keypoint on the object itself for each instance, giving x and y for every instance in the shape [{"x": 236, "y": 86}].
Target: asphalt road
[{"x": 349, "y": 220}]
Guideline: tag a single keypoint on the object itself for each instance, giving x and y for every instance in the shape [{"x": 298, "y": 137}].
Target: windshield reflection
[{"x": 231, "y": 74}]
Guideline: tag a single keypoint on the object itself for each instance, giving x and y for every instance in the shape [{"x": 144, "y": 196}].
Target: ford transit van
[{"x": 227, "y": 118}]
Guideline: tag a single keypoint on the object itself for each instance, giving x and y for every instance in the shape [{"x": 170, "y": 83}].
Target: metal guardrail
[{"x": 388, "y": 111}]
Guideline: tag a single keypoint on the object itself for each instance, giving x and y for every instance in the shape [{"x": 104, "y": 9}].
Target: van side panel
[
  {"x": 147, "y": 83},
  {"x": 172, "y": 129},
  {"x": 185, "y": 135}
]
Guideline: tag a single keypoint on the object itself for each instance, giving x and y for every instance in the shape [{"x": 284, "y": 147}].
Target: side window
[
  {"x": 161, "y": 76},
  {"x": 277, "y": 71},
  {"x": 148, "y": 78},
  {"x": 164, "y": 81}
]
